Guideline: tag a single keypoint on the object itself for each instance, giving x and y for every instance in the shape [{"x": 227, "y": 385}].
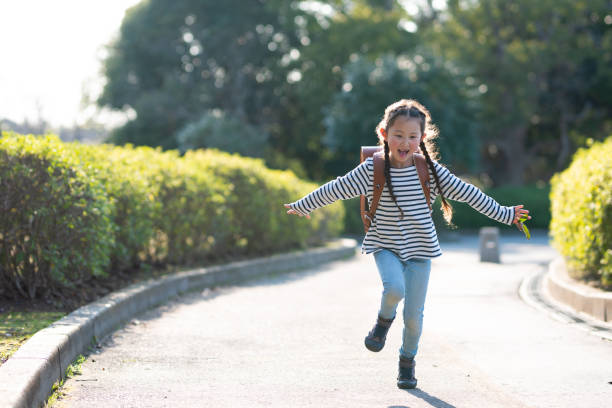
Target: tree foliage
[
  {"x": 365, "y": 31},
  {"x": 545, "y": 67},
  {"x": 220, "y": 131},
  {"x": 370, "y": 86},
  {"x": 269, "y": 63},
  {"x": 541, "y": 70},
  {"x": 173, "y": 61}
]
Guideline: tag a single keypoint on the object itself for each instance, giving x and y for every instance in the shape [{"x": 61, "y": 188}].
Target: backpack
[{"x": 378, "y": 155}]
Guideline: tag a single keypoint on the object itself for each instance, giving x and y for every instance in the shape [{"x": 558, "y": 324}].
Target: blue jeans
[{"x": 408, "y": 280}]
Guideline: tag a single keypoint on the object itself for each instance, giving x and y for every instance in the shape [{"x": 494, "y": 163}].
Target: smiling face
[{"x": 403, "y": 137}]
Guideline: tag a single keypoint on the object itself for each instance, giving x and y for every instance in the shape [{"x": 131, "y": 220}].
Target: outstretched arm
[
  {"x": 456, "y": 189},
  {"x": 348, "y": 186}
]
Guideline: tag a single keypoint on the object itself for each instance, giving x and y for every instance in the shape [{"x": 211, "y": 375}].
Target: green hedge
[
  {"x": 254, "y": 206},
  {"x": 72, "y": 211},
  {"x": 55, "y": 218},
  {"x": 126, "y": 175},
  {"x": 581, "y": 226}
]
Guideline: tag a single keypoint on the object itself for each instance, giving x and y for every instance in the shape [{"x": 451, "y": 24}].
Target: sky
[{"x": 50, "y": 54}]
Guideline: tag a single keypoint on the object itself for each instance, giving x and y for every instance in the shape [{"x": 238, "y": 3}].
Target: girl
[{"x": 402, "y": 235}]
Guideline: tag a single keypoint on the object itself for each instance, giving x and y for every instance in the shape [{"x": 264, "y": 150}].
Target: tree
[
  {"x": 347, "y": 32},
  {"x": 216, "y": 130},
  {"x": 173, "y": 61},
  {"x": 542, "y": 67},
  {"x": 271, "y": 64},
  {"x": 370, "y": 86}
]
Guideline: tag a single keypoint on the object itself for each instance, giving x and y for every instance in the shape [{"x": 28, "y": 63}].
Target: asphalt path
[{"x": 296, "y": 340}]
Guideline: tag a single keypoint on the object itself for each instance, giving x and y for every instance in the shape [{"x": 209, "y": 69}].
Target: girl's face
[{"x": 403, "y": 137}]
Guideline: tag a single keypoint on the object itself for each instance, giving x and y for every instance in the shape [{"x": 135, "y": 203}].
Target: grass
[
  {"x": 18, "y": 324},
  {"x": 21, "y": 319},
  {"x": 58, "y": 388}
]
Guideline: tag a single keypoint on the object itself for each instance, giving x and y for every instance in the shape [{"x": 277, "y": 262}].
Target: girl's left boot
[
  {"x": 375, "y": 340},
  {"x": 405, "y": 378}
]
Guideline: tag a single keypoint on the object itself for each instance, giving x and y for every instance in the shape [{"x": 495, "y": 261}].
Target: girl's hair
[{"x": 413, "y": 109}]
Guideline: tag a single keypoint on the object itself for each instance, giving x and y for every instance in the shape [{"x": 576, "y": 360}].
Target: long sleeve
[
  {"x": 351, "y": 185},
  {"x": 456, "y": 189}
]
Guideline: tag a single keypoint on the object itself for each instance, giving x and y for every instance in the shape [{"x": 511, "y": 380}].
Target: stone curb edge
[
  {"x": 26, "y": 379},
  {"x": 578, "y": 297},
  {"x": 534, "y": 292}
]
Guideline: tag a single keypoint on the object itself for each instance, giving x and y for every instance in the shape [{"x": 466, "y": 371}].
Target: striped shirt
[{"x": 414, "y": 236}]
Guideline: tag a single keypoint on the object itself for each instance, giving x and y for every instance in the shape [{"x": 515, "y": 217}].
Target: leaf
[
  {"x": 521, "y": 225},
  {"x": 526, "y": 231}
]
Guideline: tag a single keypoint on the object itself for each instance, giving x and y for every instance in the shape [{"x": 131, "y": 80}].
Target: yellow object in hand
[{"x": 521, "y": 226}]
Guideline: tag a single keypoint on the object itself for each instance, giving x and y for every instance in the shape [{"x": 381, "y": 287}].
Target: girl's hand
[
  {"x": 292, "y": 211},
  {"x": 520, "y": 216},
  {"x": 519, "y": 213}
]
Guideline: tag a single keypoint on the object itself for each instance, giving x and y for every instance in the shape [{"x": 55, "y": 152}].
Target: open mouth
[{"x": 403, "y": 153}]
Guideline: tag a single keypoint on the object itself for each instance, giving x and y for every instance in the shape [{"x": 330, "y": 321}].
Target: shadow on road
[
  {"x": 205, "y": 294},
  {"x": 433, "y": 401}
]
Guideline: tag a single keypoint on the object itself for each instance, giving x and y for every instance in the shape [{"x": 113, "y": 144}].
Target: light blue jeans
[{"x": 408, "y": 280}]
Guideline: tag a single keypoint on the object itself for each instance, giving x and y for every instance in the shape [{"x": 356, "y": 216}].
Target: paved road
[{"x": 297, "y": 341}]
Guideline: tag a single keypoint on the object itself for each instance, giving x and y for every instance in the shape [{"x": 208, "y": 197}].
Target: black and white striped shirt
[{"x": 414, "y": 236}]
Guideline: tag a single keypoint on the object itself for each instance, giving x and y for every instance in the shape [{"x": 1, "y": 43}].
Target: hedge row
[
  {"x": 581, "y": 227},
  {"x": 71, "y": 211}
]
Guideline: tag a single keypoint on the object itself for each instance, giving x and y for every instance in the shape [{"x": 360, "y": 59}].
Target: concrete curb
[
  {"x": 534, "y": 292},
  {"x": 27, "y": 378},
  {"x": 580, "y": 297}
]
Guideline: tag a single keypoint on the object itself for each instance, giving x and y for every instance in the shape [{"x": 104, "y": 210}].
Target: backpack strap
[
  {"x": 421, "y": 166},
  {"x": 379, "y": 184}
]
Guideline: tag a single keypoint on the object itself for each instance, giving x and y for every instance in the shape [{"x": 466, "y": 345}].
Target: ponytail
[
  {"x": 447, "y": 209},
  {"x": 388, "y": 179}
]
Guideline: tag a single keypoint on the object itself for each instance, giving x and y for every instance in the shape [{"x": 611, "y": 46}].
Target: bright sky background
[{"x": 50, "y": 52}]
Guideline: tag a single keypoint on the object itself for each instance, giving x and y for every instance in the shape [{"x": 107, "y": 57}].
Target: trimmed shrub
[
  {"x": 581, "y": 227},
  {"x": 191, "y": 225},
  {"x": 255, "y": 218},
  {"x": 127, "y": 175},
  {"x": 55, "y": 229},
  {"x": 166, "y": 209},
  {"x": 72, "y": 211}
]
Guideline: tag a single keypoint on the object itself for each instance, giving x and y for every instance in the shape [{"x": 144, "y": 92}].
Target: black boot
[
  {"x": 405, "y": 378},
  {"x": 375, "y": 340}
]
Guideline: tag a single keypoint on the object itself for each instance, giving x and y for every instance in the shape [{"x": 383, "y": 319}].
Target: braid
[
  {"x": 388, "y": 178},
  {"x": 446, "y": 207}
]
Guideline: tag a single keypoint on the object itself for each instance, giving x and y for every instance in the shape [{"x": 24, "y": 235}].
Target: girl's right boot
[{"x": 375, "y": 340}]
